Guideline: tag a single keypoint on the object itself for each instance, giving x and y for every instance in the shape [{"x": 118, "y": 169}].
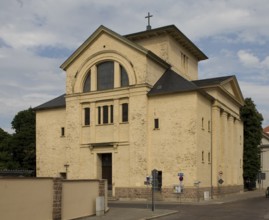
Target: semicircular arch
[{"x": 100, "y": 57}]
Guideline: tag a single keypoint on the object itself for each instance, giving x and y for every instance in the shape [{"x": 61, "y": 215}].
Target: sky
[{"x": 37, "y": 36}]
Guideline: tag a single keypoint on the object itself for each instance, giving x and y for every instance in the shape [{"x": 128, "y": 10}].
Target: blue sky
[{"x": 36, "y": 36}]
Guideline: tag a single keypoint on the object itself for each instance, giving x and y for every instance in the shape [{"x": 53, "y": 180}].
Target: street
[{"x": 249, "y": 209}]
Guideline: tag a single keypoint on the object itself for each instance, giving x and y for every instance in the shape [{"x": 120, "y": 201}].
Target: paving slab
[{"x": 132, "y": 214}]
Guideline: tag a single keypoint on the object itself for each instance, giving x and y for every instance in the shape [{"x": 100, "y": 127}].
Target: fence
[{"x": 49, "y": 198}]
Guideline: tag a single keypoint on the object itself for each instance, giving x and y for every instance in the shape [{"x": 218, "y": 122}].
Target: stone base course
[{"x": 190, "y": 193}]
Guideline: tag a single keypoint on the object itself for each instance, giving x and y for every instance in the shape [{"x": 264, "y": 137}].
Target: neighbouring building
[
  {"x": 134, "y": 103},
  {"x": 264, "y": 146}
]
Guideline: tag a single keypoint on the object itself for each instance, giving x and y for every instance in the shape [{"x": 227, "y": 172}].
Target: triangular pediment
[
  {"x": 104, "y": 30},
  {"x": 226, "y": 84},
  {"x": 232, "y": 88}
]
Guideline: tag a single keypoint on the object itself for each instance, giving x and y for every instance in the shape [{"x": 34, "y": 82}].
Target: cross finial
[{"x": 148, "y": 17}]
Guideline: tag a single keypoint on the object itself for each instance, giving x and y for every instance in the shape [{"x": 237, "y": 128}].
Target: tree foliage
[
  {"x": 17, "y": 151},
  {"x": 252, "y": 138}
]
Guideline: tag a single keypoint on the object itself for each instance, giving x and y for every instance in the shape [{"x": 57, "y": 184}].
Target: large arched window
[{"x": 105, "y": 75}]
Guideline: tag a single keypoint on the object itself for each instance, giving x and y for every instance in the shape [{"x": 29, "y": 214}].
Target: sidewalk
[{"x": 144, "y": 214}]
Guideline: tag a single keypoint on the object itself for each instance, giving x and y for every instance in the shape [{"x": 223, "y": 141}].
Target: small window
[
  {"x": 184, "y": 61},
  {"x": 87, "y": 116},
  {"x": 156, "y": 123},
  {"x": 111, "y": 114},
  {"x": 62, "y": 131},
  {"x": 202, "y": 123},
  {"x": 105, "y": 114},
  {"x": 209, "y": 157},
  {"x": 99, "y": 115},
  {"x": 63, "y": 175},
  {"x": 203, "y": 158},
  {"x": 125, "y": 112},
  {"x": 209, "y": 126}
]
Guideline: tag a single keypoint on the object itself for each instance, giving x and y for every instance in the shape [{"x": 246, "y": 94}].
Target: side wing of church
[{"x": 134, "y": 103}]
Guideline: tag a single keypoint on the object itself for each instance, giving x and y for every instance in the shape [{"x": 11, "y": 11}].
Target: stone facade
[{"x": 175, "y": 122}]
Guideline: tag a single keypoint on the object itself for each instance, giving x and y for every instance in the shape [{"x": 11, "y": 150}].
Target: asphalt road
[{"x": 250, "y": 209}]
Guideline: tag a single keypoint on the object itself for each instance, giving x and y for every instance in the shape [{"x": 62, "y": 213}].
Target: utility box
[
  {"x": 100, "y": 206},
  {"x": 206, "y": 195}
]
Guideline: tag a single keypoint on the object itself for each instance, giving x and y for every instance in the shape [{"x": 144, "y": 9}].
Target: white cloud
[
  {"x": 248, "y": 59},
  {"x": 259, "y": 94},
  {"x": 28, "y": 77}
]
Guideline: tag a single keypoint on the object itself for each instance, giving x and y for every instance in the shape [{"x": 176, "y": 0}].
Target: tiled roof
[
  {"x": 58, "y": 102},
  {"x": 171, "y": 82}
]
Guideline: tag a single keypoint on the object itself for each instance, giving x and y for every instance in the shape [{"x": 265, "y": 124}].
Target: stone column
[
  {"x": 57, "y": 199},
  {"x": 92, "y": 122},
  {"x": 223, "y": 150},
  {"x": 230, "y": 151},
  {"x": 116, "y": 129},
  {"x": 215, "y": 132}
]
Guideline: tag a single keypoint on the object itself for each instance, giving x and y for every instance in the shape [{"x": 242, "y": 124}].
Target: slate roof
[
  {"x": 171, "y": 82},
  {"x": 211, "y": 81},
  {"x": 58, "y": 102},
  {"x": 174, "y": 32}
]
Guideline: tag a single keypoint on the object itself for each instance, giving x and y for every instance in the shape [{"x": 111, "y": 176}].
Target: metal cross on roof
[{"x": 148, "y": 17}]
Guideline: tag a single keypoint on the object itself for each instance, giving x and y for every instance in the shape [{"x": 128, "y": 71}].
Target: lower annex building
[{"x": 134, "y": 103}]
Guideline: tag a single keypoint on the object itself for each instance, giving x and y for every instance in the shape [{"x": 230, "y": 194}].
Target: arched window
[
  {"x": 87, "y": 83},
  {"x": 105, "y": 75},
  {"x": 124, "y": 80}
]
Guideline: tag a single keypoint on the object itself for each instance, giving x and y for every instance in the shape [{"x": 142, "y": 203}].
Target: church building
[{"x": 134, "y": 103}]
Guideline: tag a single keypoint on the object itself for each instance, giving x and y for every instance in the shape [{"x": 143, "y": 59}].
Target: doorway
[{"x": 107, "y": 169}]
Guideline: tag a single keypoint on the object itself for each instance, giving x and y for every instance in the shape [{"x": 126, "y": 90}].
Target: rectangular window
[
  {"x": 156, "y": 123},
  {"x": 105, "y": 114},
  {"x": 87, "y": 116},
  {"x": 125, "y": 112},
  {"x": 111, "y": 114},
  {"x": 62, "y": 131},
  {"x": 99, "y": 115}
]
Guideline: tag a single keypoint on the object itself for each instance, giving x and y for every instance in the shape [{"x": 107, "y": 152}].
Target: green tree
[
  {"x": 23, "y": 140},
  {"x": 252, "y": 138}
]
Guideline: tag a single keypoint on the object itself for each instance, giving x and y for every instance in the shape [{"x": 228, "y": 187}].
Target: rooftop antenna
[{"x": 148, "y": 17}]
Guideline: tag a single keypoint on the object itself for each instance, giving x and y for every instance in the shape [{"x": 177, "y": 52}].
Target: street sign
[{"x": 221, "y": 181}]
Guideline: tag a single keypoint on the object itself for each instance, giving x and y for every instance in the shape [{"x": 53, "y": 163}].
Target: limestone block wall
[
  {"x": 50, "y": 148},
  {"x": 138, "y": 121},
  {"x": 204, "y": 134},
  {"x": 168, "y": 49},
  {"x": 173, "y": 146}
]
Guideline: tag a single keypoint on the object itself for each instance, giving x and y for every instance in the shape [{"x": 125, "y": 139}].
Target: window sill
[
  {"x": 122, "y": 123},
  {"x": 86, "y": 126},
  {"x": 156, "y": 129},
  {"x": 105, "y": 124}
]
